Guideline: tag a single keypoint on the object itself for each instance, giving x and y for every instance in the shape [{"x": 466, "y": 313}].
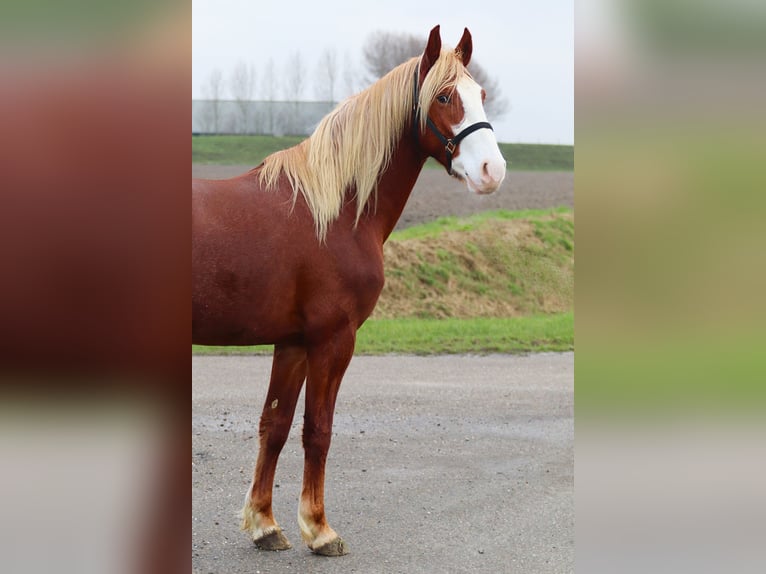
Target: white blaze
[{"x": 480, "y": 162}]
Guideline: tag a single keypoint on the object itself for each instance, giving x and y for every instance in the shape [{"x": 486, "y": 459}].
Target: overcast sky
[{"x": 526, "y": 45}]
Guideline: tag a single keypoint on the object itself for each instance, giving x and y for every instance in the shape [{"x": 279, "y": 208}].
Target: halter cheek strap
[{"x": 450, "y": 144}]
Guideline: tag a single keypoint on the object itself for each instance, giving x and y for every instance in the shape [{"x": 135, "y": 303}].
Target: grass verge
[
  {"x": 448, "y": 336},
  {"x": 492, "y": 264},
  {"x": 451, "y": 223}
]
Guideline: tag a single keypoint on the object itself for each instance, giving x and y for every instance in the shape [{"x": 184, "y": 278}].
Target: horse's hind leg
[
  {"x": 288, "y": 372},
  {"x": 328, "y": 361}
]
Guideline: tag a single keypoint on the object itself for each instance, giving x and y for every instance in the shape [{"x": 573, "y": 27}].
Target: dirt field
[{"x": 436, "y": 194}]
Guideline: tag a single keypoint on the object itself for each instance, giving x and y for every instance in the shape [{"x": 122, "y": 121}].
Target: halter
[{"x": 450, "y": 144}]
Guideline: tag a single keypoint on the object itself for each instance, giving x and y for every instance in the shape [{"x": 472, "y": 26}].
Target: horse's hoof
[
  {"x": 274, "y": 540},
  {"x": 333, "y": 548}
]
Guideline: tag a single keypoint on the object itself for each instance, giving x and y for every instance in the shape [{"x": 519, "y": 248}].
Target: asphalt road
[{"x": 438, "y": 464}]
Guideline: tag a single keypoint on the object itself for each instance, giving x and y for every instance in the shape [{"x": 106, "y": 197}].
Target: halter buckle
[{"x": 450, "y": 147}]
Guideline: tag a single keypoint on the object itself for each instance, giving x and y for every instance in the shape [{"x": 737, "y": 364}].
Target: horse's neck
[{"x": 395, "y": 186}]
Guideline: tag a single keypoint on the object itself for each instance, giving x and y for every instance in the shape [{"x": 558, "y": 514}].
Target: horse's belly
[
  {"x": 224, "y": 329},
  {"x": 250, "y": 315}
]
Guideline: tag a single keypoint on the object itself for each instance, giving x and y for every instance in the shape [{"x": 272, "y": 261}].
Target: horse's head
[{"x": 449, "y": 116}]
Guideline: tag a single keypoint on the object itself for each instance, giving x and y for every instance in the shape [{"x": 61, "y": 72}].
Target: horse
[{"x": 291, "y": 253}]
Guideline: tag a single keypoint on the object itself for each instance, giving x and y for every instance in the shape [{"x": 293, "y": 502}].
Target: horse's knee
[{"x": 274, "y": 432}]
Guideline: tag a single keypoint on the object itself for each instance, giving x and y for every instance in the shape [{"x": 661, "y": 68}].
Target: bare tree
[
  {"x": 495, "y": 105},
  {"x": 383, "y": 51},
  {"x": 269, "y": 92},
  {"x": 294, "y": 85},
  {"x": 351, "y": 83},
  {"x": 295, "y": 77},
  {"x": 268, "y": 82},
  {"x": 242, "y": 88},
  {"x": 326, "y": 75},
  {"x": 212, "y": 92}
]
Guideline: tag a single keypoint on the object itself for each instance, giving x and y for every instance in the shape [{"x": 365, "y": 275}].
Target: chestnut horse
[{"x": 291, "y": 253}]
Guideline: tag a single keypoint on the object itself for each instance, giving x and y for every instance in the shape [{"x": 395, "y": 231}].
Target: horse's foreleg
[
  {"x": 327, "y": 364},
  {"x": 288, "y": 372}
]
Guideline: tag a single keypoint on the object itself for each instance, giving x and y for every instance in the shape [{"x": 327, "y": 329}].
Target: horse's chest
[
  {"x": 352, "y": 288},
  {"x": 367, "y": 284}
]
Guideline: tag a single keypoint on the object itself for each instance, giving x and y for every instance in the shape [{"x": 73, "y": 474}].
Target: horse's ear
[
  {"x": 465, "y": 47},
  {"x": 431, "y": 53}
]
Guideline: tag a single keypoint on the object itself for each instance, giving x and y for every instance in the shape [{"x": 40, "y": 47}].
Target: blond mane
[{"x": 352, "y": 146}]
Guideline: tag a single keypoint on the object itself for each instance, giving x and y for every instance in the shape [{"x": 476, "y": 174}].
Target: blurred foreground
[
  {"x": 670, "y": 278},
  {"x": 94, "y": 402}
]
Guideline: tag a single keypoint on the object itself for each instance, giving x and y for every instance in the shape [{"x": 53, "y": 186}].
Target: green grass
[
  {"x": 238, "y": 150},
  {"x": 538, "y": 157},
  {"x": 448, "y": 336},
  {"x": 494, "y": 264},
  {"x": 451, "y": 223},
  {"x": 477, "y": 335},
  {"x": 251, "y": 150},
  {"x": 240, "y": 350}
]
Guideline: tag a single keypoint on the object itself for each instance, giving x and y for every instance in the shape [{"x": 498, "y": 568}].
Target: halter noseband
[{"x": 450, "y": 144}]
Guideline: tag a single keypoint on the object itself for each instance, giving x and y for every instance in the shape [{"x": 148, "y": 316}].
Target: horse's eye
[{"x": 442, "y": 99}]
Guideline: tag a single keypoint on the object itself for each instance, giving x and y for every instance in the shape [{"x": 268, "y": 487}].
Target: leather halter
[{"x": 450, "y": 144}]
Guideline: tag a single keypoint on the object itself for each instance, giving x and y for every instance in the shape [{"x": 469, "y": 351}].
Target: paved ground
[
  {"x": 438, "y": 464},
  {"x": 436, "y": 194}
]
